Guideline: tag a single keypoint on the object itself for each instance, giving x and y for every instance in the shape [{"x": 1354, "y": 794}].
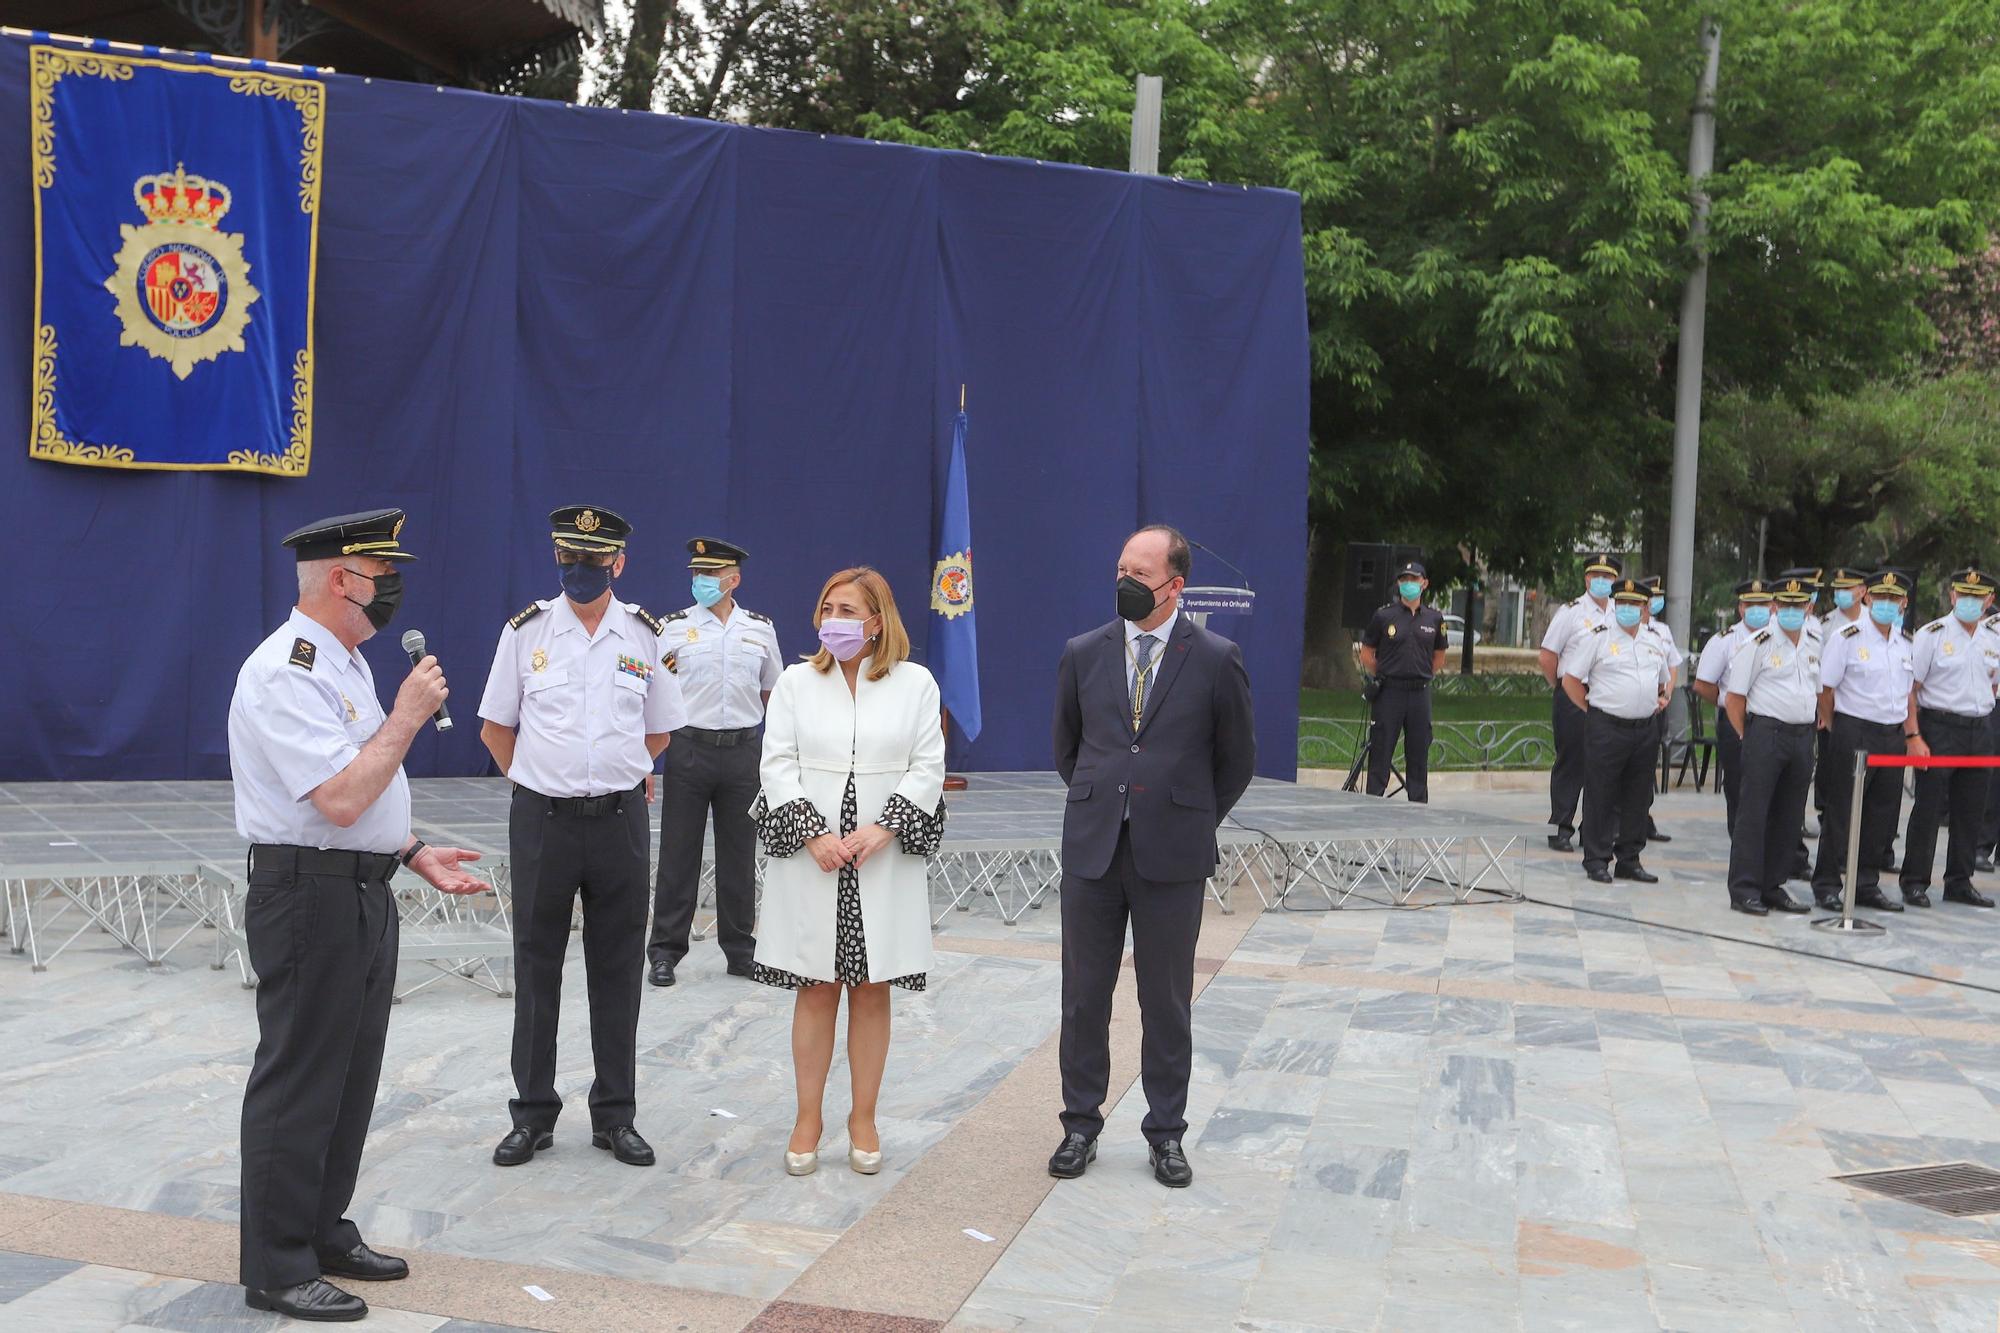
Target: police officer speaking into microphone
[
  {"x": 322, "y": 800},
  {"x": 1403, "y": 647},
  {"x": 726, "y": 659},
  {"x": 578, "y": 706}
]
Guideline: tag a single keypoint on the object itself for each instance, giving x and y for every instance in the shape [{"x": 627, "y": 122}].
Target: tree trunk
[
  {"x": 1329, "y": 649},
  {"x": 641, "y": 69}
]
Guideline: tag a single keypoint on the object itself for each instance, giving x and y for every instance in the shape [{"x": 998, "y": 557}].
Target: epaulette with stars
[
  {"x": 1933, "y": 627},
  {"x": 1599, "y": 628},
  {"x": 1850, "y": 631},
  {"x": 671, "y": 616},
  {"x": 1762, "y": 635},
  {"x": 653, "y": 622},
  {"x": 767, "y": 620},
  {"x": 524, "y": 615}
]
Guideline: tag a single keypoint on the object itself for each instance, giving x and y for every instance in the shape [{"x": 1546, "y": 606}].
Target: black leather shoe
[
  {"x": 1635, "y": 872},
  {"x": 1969, "y": 896},
  {"x": 1829, "y": 902},
  {"x": 1597, "y": 875},
  {"x": 1076, "y": 1153},
  {"x": 314, "y": 1302},
  {"x": 1875, "y": 899},
  {"x": 1889, "y": 867},
  {"x": 624, "y": 1143},
  {"x": 660, "y": 974},
  {"x": 364, "y": 1265},
  {"x": 1657, "y": 836},
  {"x": 742, "y": 969},
  {"x": 1784, "y": 902},
  {"x": 1749, "y": 909},
  {"x": 1983, "y": 863},
  {"x": 1170, "y": 1165},
  {"x": 1916, "y": 897},
  {"x": 521, "y": 1145},
  {"x": 1559, "y": 842}
]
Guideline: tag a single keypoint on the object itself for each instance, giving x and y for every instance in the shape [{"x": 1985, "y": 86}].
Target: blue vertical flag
[{"x": 954, "y": 635}]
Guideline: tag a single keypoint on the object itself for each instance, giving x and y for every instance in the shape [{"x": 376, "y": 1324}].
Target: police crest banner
[{"x": 176, "y": 226}]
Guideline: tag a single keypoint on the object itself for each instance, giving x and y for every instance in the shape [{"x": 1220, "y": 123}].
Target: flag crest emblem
[
  {"x": 951, "y": 585},
  {"x": 181, "y": 284}
]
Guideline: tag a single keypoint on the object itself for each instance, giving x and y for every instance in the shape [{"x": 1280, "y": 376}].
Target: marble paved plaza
[{"x": 1492, "y": 1116}]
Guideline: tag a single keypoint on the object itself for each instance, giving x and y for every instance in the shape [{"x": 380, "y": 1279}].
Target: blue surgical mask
[
  {"x": 707, "y": 590},
  {"x": 1791, "y": 619},
  {"x": 1600, "y": 588},
  {"x": 584, "y": 583},
  {"x": 1756, "y": 617},
  {"x": 1968, "y": 609},
  {"x": 1410, "y": 591},
  {"x": 1627, "y": 614},
  {"x": 1885, "y": 613},
  {"x": 1843, "y": 598},
  {"x": 1657, "y": 605}
]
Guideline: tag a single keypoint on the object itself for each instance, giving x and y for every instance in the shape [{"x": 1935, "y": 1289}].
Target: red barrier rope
[{"x": 1934, "y": 761}]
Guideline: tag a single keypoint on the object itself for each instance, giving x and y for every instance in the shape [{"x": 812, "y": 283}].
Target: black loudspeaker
[{"x": 1371, "y": 579}]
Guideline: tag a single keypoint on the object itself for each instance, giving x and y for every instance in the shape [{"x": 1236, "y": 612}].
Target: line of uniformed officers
[{"x": 1798, "y": 696}]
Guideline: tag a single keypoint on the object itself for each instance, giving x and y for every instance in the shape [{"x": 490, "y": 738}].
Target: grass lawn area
[{"x": 1444, "y": 707}]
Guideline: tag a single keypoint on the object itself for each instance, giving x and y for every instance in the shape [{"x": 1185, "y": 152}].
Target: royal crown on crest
[{"x": 181, "y": 198}]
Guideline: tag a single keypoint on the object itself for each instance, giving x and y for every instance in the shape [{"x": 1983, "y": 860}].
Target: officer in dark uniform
[
  {"x": 321, "y": 799},
  {"x": 726, "y": 659},
  {"x": 578, "y": 706},
  {"x": 1403, "y": 647}
]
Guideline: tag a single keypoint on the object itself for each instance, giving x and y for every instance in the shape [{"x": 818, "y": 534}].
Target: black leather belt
[
  {"x": 586, "y": 807},
  {"x": 1896, "y": 726},
  {"x": 1407, "y": 682},
  {"x": 284, "y": 858},
  {"x": 1945, "y": 719},
  {"x": 730, "y": 736},
  {"x": 1618, "y": 721},
  {"x": 1763, "y": 721}
]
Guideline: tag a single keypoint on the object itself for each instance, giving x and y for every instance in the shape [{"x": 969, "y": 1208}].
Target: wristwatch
[{"x": 409, "y": 857}]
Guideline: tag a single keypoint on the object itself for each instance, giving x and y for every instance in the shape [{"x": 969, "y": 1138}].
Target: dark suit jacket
[{"x": 1184, "y": 768}]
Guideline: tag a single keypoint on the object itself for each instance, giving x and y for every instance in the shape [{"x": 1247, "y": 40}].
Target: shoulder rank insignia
[
  {"x": 525, "y": 614},
  {"x": 767, "y": 620},
  {"x": 1599, "y": 628},
  {"x": 672, "y": 616},
  {"x": 1933, "y": 627},
  {"x": 1762, "y": 636},
  {"x": 653, "y": 622},
  {"x": 303, "y": 653},
  {"x": 1850, "y": 631}
]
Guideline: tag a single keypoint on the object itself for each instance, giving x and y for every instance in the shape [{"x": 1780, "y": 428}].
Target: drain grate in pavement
[{"x": 1960, "y": 1189}]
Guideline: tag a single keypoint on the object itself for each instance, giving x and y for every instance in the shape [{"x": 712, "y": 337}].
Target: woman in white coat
[{"x": 851, "y": 734}]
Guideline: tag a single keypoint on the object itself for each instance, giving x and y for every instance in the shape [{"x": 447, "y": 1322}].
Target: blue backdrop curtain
[{"x": 750, "y": 334}]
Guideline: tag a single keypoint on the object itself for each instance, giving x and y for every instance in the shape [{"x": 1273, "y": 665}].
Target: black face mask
[
  {"x": 388, "y": 596},
  {"x": 1136, "y": 601}
]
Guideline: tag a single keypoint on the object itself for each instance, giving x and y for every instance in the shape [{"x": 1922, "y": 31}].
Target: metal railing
[
  {"x": 1332, "y": 742},
  {"x": 1513, "y": 685}
]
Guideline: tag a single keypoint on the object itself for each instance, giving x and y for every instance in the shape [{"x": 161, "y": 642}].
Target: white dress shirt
[
  {"x": 1624, "y": 670},
  {"x": 1575, "y": 619},
  {"x": 1869, "y": 672},
  {"x": 724, "y": 667},
  {"x": 1718, "y": 653},
  {"x": 1162, "y": 634},
  {"x": 1956, "y": 666},
  {"x": 303, "y": 708},
  {"x": 1777, "y": 678},
  {"x": 583, "y": 704}
]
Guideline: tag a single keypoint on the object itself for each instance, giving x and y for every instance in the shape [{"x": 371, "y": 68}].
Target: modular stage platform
[{"x": 159, "y": 866}]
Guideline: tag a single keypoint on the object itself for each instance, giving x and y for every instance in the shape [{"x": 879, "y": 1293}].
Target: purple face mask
[{"x": 842, "y": 638}]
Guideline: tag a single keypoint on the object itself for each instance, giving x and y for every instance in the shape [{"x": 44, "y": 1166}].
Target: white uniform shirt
[
  {"x": 1869, "y": 672},
  {"x": 724, "y": 667},
  {"x": 1718, "y": 653},
  {"x": 1573, "y": 621},
  {"x": 1956, "y": 667},
  {"x": 1777, "y": 678},
  {"x": 1623, "y": 671},
  {"x": 583, "y": 705},
  {"x": 1836, "y": 620},
  {"x": 1673, "y": 650},
  {"x": 303, "y": 708}
]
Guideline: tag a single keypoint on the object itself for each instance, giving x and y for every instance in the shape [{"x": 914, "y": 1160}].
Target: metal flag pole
[{"x": 1847, "y": 922}]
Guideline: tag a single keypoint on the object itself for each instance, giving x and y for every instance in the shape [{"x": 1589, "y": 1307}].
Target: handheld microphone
[
  {"x": 1232, "y": 569},
  {"x": 413, "y": 644}
]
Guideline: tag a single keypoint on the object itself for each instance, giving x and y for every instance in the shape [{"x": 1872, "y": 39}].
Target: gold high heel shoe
[
  {"x": 867, "y": 1163},
  {"x": 801, "y": 1163}
]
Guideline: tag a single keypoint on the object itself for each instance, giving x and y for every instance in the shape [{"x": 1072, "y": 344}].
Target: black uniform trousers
[
  {"x": 702, "y": 777},
  {"x": 1572, "y": 762},
  {"x": 1881, "y": 802},
  {"x": 1989, "y": 831},
  {"x": 1618, "y": 808},
  {"x": 1401, "y": 708},
  {"x": 1777, "y": 778},
  {"x": 1953, "y": 795},
  {"x": 1729, "y": 763},
  {"x": 324, "y": 950},
  {"x": 556, "y": 851},
  {"x": 1165, "y": 921}
]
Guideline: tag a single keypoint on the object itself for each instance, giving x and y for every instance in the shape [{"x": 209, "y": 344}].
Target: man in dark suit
[{"x": 1153, "y": 734}]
